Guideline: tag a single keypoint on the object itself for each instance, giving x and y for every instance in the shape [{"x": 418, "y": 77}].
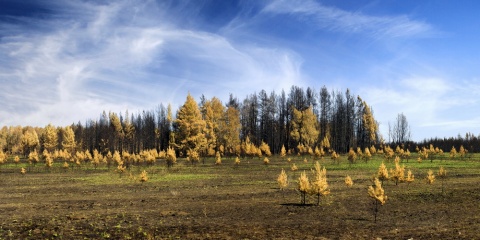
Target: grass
[{"x": 229, "y": 199}]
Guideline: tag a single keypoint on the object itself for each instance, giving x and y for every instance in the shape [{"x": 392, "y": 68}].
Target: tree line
[{"x": 299, "y": 119}]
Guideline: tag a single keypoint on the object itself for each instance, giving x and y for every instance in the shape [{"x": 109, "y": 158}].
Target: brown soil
[{"x": 231, "y": 203}]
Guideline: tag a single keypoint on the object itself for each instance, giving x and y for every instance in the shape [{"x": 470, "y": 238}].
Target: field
[{"x": 209, "y": 201}]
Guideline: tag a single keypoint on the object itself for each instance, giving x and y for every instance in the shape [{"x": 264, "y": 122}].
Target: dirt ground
[{"x": 226, "y": 202}]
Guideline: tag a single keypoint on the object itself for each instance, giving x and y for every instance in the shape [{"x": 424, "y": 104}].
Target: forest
[{"x": 301, "y": 120}]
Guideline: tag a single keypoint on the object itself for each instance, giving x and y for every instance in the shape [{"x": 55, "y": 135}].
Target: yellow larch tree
[
  {"x": 367, "y": 155},
  {"x": 3, "y": 157},
  {"x": 213, "y": 113},
  {"x": 388, "y": 153},
  {"x": 319, "y": 185},
  {"x": 128, "y": 134},
  {"x": 170, "y": 157},
  {"x": 373, "y": 150},
  {"x": 190, "y": 127},
  {"x": 282, "y": 180},
  {"x": 218, "y": 159},
  {"x": 230, "y": 127},
  {"x": 118, "y": 132},
  {"x": 410, "y": 177},
  {"x": 143, "y": 176},
  {"x": 193, "y": 156},
  {"x": 304, "y": 127},
  {"x": 265, "y": 149},
  {"x": 303, "y": 186},
  {"x": 382, "y": 173},
  {"x": 430, "y": 177},
  {"x": 369, "y": 123},
  {"x": 442, "y": 174},
  {"x": 377, "y": 193},
  {"x": 462, "y": 152},
  {"x": 48, "y": 158},
  {"x": 397, "y": 174},
  {"x": 50, "y": 138},
  {"x": 294, "y": 167},
  {"x": 16, "y": 159},
  {"x": 325, "y": 143},
  {"x": 348, "y": 181},
  {"x": 352, "y": 156},
  {"x": 29, "y": 141},
  {"x": 68, "y": 139},
  {"x": 335, "y": 157},
  {"x": 33, "y": 157},
  {"x": 283, "y": 152},
  {"x": 453, "y": 152}
]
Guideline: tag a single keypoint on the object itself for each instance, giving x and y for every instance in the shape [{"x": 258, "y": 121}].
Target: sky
[{"x": 67, "y": 61}]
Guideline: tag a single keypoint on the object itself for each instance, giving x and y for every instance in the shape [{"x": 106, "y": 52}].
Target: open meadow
[{"x": 228, "y": 201}]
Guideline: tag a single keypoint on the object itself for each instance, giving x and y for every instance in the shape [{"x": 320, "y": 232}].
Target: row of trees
[
  {"x": 298, "y": 121},
  {"x": 330, "y": 120}
]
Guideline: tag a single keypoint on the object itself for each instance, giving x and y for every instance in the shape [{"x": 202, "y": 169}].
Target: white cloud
[
  {"x": 99, "y": 61},
  {"x": 336, "y": 19}
]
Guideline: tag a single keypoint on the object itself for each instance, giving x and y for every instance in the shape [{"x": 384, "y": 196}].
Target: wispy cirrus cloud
[
  {"x": 124, "y": 55},
  {"x": 336, "y": 19}
]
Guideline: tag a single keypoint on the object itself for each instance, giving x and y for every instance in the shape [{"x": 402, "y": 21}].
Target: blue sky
[{"x": 66, "y": 61}]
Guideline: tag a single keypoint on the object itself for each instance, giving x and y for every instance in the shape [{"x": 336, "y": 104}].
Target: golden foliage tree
[
  {"x": 304, "y": 126},
  {"x": 3, "y": 157},
  {"x": 230, "y": 127},
  {"x": 335, "y": 157},
  {"x": 410, "y": 177},
  {"x": 294, "y": 167},
  {"x": 68, "y": 139},
  {"x": 348, "y": 181},
  {"x": 462, "y": 152},
  {"x": 265, "y": 149},
  {"x": 190, "y": 127},
  {"x": 366, "y": 155},
  {"x": 430, "y": 177},
  {"x": 369, "y": 123},
  {"x": 373, "y": 150},
  {"x": 319, "y": 185},
  {"x": 117, "y": 127},
  {"x": 213, "y": 112},
  {"x": 303, "y": 186},
  {"x": 170, "y": 157},
  {"x": 48, "y": 158},
  {"x": 50, "y": 138},
  {"x": 283, "y": 152},
  {"x": 282, "y": 180},
  {"x": 398, "y": 173},
  {"x": 97, "y": 158},
  {"x": 16, "y": 159},
  {"x": 193, "y": 156},
  {"x": 352, "y": 156},
  {"x": 377, "y": 193},
  {"x": 218, "y": 158},
  {"x": 442, "y": 174},
  {"x": 143, "y": 176},
  {"x": 389, "y": 153},
  {"x": 33, "y": 157},
  {"x": 382, "y": 173},
  {"x": 29, "y": 141},
  {"x": 453, "y": 152}
]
